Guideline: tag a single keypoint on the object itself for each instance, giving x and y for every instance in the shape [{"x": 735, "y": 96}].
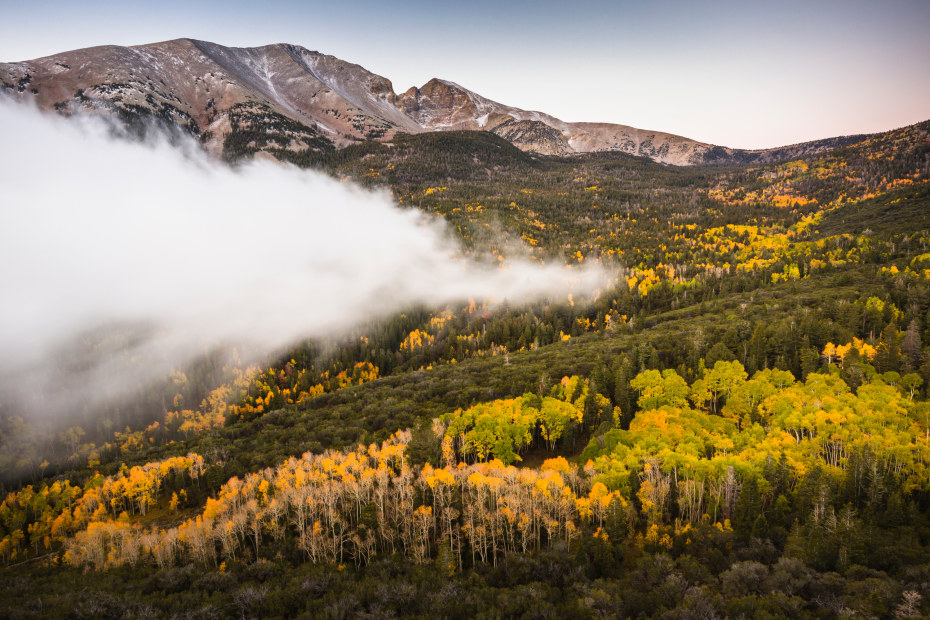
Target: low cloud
[{"x": 172, "y": 254}]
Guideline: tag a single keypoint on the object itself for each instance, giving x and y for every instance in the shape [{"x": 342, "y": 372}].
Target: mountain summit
[{"x": 288, "y": 101}]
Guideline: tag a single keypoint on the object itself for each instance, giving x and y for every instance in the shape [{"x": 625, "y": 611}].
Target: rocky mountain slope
[{"x": 296, "y": 104}]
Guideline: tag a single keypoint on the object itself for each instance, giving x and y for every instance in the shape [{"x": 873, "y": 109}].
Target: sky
[{"x": 736, "y": 73}]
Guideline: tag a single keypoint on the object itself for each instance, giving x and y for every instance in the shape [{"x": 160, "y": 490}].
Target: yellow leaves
[
  {"x": 792, "y": 167},
  {"x": 583, "y": 506},
  {"x": 809, "y": 221},
  {"x": 438, "y": 321},
  {"x": 787, "y": 199},
  {"x": 558, "y": 464},
  {"x": 441, "y": 477},
  {"x": 865, "y": 350},
  {"x": 509, "y": 514},
  {"x": 212, "y": 509},
  {"x": 263, "y": 492},
  {"x": 361, "y": 372},
  {"x": 479, "y": 480},
  {"x": 598, "y": 491},
  {"x": 653, "y": 534},
  {"x": 448, "y": 452},
  {"x": 310, "y": 393},
  {"x": 416, "y": 340}
]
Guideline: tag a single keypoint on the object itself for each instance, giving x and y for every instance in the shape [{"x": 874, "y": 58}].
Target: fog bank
[{"x": 189, "y": 254}]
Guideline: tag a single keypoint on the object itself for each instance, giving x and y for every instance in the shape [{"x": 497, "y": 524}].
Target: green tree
[
  {"x": 717, "y": 383},
  {"x": 657, "y": 389}
]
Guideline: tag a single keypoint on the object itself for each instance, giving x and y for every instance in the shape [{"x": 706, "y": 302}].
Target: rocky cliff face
[
  {"x": 212, "y": 91},
  {"x": 533, "y": 137},
  {"x": 297, "y": 104}
]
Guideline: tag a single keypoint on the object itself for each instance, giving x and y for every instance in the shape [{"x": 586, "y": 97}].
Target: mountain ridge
[{"x": 285, "y": 100}]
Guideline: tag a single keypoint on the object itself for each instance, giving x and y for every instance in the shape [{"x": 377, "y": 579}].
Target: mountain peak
[{"x": 294, "y": 102}]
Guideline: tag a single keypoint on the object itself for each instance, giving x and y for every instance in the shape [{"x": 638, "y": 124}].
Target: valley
[{"x": 737, "y": 426}]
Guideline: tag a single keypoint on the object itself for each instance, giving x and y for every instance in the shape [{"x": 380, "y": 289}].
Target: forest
[{"x": 737, "y": 427}]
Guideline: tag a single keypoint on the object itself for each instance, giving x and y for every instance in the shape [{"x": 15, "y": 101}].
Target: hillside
[{"x": 738, "y": 426}]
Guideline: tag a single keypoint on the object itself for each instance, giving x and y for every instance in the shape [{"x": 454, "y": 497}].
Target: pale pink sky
[{"x": 741, "y": 74}]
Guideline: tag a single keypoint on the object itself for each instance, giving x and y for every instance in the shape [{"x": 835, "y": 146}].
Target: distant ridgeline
[{"x": 299, "y": 106}]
